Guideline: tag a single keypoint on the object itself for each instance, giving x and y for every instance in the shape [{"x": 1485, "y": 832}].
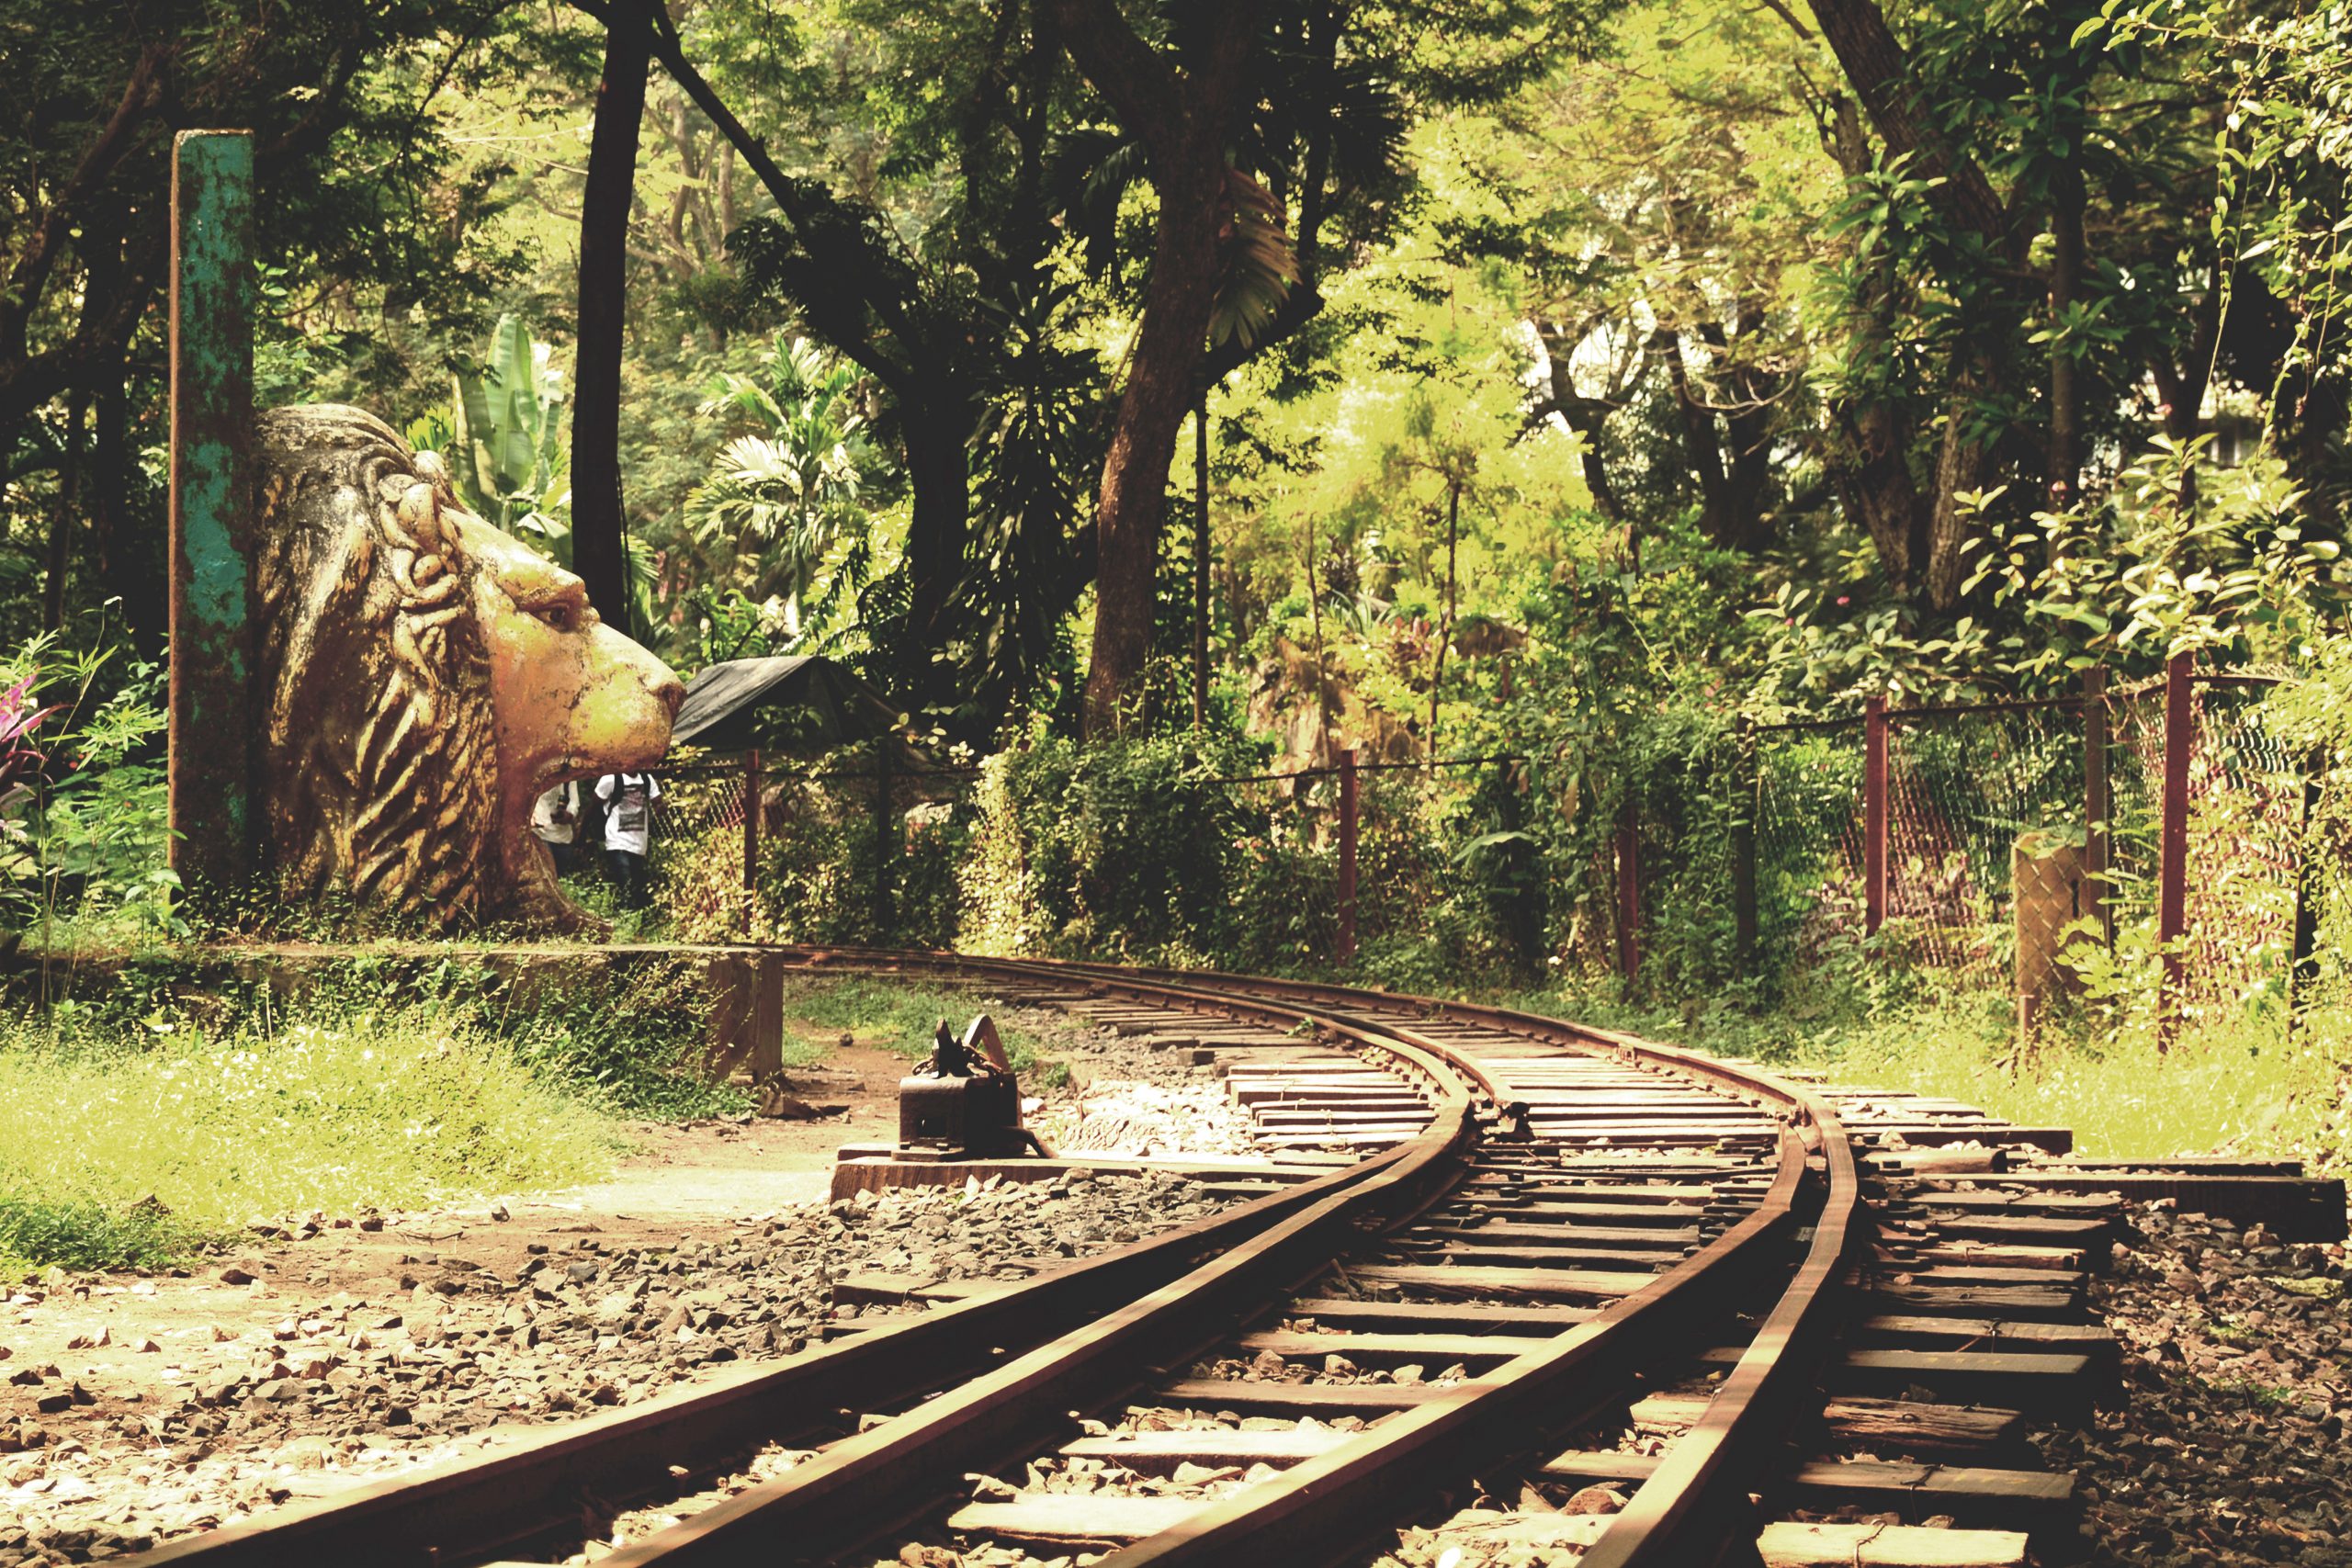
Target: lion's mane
[{"x": 380, "y": 775}]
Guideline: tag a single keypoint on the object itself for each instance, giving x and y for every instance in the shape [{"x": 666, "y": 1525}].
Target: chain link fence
[{"x": 2009, "y": 839}]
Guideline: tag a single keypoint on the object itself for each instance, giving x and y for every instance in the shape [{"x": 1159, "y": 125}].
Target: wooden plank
[
  {"x": 1986, "y": 1255},
  {"x": 2005, "y": 1302},
  {"x": 1479, "y": 1254},
  {"x": 1539, "y": 1284},
  {"x": 2093, "y": 1339},
  {"x": 1072, "y": 1517},
  {"x": 1939, "y": 1201},
  {"x": 2297, "y": 1208},
  {"x": 1291, "y": 1399},
  {"x": 1788, "y": 1545},
  {"x": 1996, "y": 1135},
  {"x": 1968, "y": 1493},
  {"x": 1669, "y": 1238},
  {"x": 2017, "y": 1380},
  {"x": 1157, "y": 1453},
  {"x": 1437, "y": 1350},
  {"x": 1467, "y": 1317},
  {"x": 1906, "y": 1427},
  {"x": 2033, "y": 1230},
  {"x": 1979, "y": 1274}
]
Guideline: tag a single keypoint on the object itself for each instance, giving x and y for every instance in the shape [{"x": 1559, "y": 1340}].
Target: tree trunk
[
  {"x": 1700, "y": 446},
  {"x": 598, "y": 519},
  {"x": 1879, "y": 71},
  {"x": 2068, "y": 200},
  {"x": 937, "y": 436},
  {"x": 1445, "y": 609},
  {"x": 60, "y": 531},
  {"x": 1201, "y": 561},
  {"x": 1876, "y": 489},
  {"x": 1129, "y": 510},
  {"x": 1959, "y": 466},
  {"x": 1182, "y": 120}
]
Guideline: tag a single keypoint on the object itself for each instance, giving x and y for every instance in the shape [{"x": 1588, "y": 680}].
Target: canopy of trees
[{"x": 1395, "y": 371}]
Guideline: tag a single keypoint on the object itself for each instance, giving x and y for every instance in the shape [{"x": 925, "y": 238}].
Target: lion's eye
[{"x": 558, "y": 616}]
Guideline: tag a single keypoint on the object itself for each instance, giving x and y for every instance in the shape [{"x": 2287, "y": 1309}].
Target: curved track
[{"x": 1572, "y": 1224}]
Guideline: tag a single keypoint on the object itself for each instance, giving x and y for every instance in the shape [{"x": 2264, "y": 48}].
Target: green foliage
[
  {"x": 38, "y": 1233},
  {"x": 83, "y": 829},
  {"x": 123, "y": 1141},
  {"x": 783, "y": 517},
  {"x": 506, "y": 448}
]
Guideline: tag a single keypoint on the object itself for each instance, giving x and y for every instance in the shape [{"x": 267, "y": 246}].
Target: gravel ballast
[
  {"x": 347, "y": 1390},
  {"x": 2227, "y": 1447}
]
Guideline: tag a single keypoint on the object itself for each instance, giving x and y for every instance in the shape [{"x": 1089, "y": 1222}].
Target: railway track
[{"x": 1581, "y": 1296}]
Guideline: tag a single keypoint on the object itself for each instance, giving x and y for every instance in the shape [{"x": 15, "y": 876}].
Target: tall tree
[
  {"x": 598, "y": 551},
  {"x": 1181, "y": 103}
]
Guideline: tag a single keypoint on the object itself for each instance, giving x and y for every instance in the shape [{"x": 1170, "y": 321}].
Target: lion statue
[{"x": 424, "y": 678}]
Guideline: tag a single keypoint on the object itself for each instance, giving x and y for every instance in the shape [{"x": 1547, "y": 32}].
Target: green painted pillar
[{"x": 214, "y": 807}]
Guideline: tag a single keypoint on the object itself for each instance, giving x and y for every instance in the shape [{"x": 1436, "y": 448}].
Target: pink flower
[{"x": 1843, "y": 601}]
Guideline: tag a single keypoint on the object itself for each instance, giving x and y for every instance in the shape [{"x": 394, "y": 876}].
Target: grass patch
[
  {"x": 2237, "y": 1085},
  {"x": 120, "y": 1151},
  {"x": 36, "y": 1232},
  {"x": 899, "y": 1017}
]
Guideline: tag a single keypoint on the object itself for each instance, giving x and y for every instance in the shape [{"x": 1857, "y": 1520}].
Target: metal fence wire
[
  {"x": 2244, "y": 822},
  {"x": 1990, "y": 875}
]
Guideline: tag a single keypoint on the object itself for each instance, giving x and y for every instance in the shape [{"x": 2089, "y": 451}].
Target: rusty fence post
[
  {"x": 1873, "y": 815},
  {"x": 213, "y": 738},
  {"x": 1629, "y": 892},
  {"x": 1347, "y": 807},
  {"x": 2097, "y": 805},
  {"x": 1743, "y": 845},
  {"x": 2310, "y": 890},
  {"x": 2172, "y": 877},
  {"x": 751, "y": 840}
]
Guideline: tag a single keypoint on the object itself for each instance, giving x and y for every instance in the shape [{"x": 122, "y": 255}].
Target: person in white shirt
[
  {"x": 555, "y": 817},
  {"x": 628, "y": 820}
]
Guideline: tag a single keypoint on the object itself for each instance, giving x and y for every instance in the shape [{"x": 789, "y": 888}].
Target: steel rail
[
  {"x": 1694, "y": 1504},
  {"x": 472, "y": 1508}
]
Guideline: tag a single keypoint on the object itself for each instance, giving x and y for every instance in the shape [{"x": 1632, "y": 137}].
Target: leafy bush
[{"x": 83, "y": 817}]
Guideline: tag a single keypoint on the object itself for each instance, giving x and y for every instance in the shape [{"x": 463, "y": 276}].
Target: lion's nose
[{"x": 669, "y": 691}]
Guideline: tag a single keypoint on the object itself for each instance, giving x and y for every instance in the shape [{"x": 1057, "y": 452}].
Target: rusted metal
[
  {"x": 751, "y": 813},
  {"x": 2311, "y": 893},
  {"x": 2097, "y": 805},
  {"x": 2172, "y": 874},
  {"x": 1348, "y": 856},
  {"x": 1577, "y": 1376},
  {"x": 1874, "y": 814},
  {"x": 857, "y": 1487},
  {"x": 214, "y": 730},
  {"x": 1743, "y": 845}
]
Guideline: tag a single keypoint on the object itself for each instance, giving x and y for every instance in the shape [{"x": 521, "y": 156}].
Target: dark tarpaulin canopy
[{"x": 803, "y": 701}]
